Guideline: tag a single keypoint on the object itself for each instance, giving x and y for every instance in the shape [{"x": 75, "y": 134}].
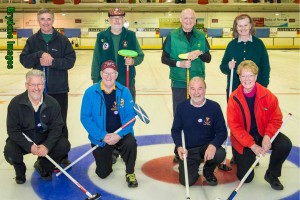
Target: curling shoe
[
  {"x": 20, "y": 179},
  {"x": 274, "y": 181},
  {"x": 211, "y": 180},
  {"x": 65, "y": 162},
  {"x": 43, "y": 173},
  {"x": 20, "y": 173},
  {"x": 131, "y": 180}
]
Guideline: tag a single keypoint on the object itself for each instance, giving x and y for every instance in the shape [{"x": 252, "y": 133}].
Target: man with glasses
[
  {"x": 106, "y": 106},
  {"x": 37, "y": 115},
  {"x": 50, "y": 51},
  {"x": 109, "y": 42}
]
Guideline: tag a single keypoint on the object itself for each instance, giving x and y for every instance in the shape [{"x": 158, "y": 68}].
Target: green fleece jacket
[{"x": 104, "y": 50}]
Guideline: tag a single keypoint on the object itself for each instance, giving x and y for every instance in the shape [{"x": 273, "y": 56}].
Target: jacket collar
[{"x": 54, "y": 34}]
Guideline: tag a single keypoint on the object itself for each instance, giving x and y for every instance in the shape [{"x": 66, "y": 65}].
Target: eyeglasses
[
  {"x": 35, "y": 85},
  {"x": 109, "y": 74},
  {"x": 247, "y": 76}
]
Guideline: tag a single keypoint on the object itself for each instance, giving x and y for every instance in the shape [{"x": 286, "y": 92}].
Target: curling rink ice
[{"x": 156, "y": 173}]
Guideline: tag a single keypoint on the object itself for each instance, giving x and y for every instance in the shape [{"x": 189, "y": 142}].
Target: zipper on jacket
[{"x": 243, "y": 111}]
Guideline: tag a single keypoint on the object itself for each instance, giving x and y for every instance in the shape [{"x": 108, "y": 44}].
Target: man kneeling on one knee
[
  {"x": 203, "y": 124},
  {"x": 106, "y": 106},
  {"x": 38, "y": 116}
]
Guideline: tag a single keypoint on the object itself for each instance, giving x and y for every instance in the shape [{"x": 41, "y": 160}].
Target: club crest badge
[
  {"x": 105, "y": 46},
  {"x": 125, "y": 44},
  {"x": 122, "y": 102},
  {"x": 207, "y": 121}
]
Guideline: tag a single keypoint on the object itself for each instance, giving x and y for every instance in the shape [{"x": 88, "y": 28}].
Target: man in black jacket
[
  {"x": 50, "y": 51},
  {"x": 38, "y": 116}
]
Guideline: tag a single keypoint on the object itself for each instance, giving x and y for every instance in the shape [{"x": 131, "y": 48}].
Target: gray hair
[
  {"x": 197, "y": 79},
  {"x": 186, "y": 10},
  {"x": 36, "y": 73},
  {"x": 45, "y": 10}
]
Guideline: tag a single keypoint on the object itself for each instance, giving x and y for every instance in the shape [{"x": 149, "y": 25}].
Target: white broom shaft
[
  {"x": 186, "y": 176},
  {"x": 257, "y": 159},
  {"x": 95, "y": 147},
  {"x": 62, "y": 170}
]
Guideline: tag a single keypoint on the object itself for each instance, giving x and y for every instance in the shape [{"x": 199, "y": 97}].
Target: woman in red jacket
[{"x": 254, "y": 116}]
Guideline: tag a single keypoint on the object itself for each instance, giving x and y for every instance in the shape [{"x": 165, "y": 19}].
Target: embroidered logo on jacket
[
  {"x": 207, "y": 121},
  {"x": 122, "y": 102}
]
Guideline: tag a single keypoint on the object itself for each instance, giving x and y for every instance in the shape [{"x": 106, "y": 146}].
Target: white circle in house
[
  {"x": 116, "y": 112},
  {"x": 200, "y": 120}
]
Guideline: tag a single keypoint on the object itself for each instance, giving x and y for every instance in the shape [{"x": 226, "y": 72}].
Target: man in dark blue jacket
[
  {"x": 203, "y": 124},
  {"x": 50, "y": 51},
  {"x": 37, "y": 115}
]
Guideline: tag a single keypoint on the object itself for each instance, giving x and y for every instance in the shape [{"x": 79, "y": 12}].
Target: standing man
[
  {"x": 37, "y": 115},
  {"x": 106, "y": 106},
  {"x": 186, "y": 39},
  {"x": 203, "y": 124},
  {"x": 109, "y": 42},
  {"x": 51, "y": 52}
]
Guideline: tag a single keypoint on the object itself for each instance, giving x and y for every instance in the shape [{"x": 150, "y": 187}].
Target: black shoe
[
  {"x": 210, "y": 178},
  {"x": 176, "y": 159},
  {"x": 20, "y": 179},
  {"x": 65, "y": 162},
  {"x": 131, "y": 180},
  {"x": 274, "y": 181},
  {"x": 44, "y": 174},
  {"x": 20, "y": 170}
]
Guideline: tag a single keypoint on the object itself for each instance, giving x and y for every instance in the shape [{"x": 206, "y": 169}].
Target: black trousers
[
  {"x": 14, "y": 154},
  {"x": 62, "y": 99},
  {"x": 178, "y": 96},
  {"x": 133, "y": 92},
  {"x": 195, "y": 156},
  {"x": 281, "y": 148},
  {"x": 103, "y": 156}
]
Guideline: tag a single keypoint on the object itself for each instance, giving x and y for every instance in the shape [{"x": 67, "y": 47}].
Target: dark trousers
[
  {"x": 62, "y": 99},
  {"x": 281, "y": 148},
  {"x": 103, "y": 156},
  {"x": 178, "y": 96},
  {"x": 14, "y": 154},
  {"x": 133, "y": 92},
  {"x": 195, "y": 156}
]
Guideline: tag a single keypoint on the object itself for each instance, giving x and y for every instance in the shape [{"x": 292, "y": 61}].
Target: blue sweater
[
  {"x": 201, "y": 126},
  {"x": 93, "y": 112}
]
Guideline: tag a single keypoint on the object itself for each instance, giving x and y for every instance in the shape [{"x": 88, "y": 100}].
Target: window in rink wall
[
  {"x": 215, "y": 32},
  {"x": 72, "y": 32},
  {"x": 24, "y": 33},
  {"x": 262, "y": 32}
]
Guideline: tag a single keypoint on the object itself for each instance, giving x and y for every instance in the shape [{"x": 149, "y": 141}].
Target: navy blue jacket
[
  {"x": 201, "y": 126},
  {"x": 60, "y": 48}
]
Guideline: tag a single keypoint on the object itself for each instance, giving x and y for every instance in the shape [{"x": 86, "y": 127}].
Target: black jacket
[
  {"x": 60, "y": 48},
  {"x": 20, "y": 118}
]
